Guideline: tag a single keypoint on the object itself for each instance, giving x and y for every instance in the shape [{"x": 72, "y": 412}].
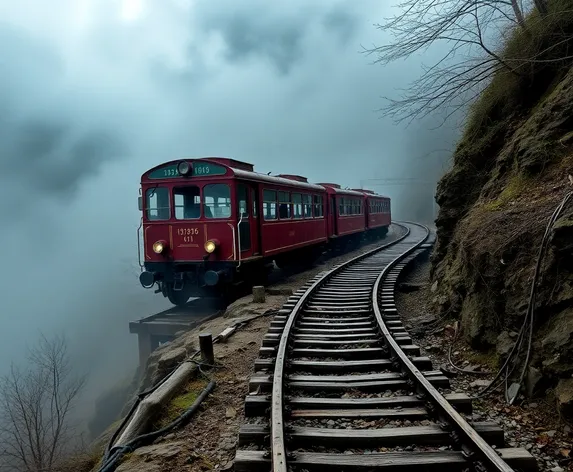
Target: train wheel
[{"x": 177, "y": 297}]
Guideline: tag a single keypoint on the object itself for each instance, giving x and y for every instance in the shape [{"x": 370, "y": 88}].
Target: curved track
[{"x": 349, "y": 390}]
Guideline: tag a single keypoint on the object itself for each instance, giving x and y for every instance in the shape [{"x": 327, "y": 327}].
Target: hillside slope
[{"x": 509, "y": 173}]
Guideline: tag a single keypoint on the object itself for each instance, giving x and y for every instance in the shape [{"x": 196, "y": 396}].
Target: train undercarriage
[{"x": 180, "y": 281}]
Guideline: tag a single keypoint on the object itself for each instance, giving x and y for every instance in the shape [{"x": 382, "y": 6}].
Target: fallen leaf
[{"x": 565, "y": 452}]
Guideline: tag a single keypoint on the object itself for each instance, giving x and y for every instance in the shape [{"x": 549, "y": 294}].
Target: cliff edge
[{"x": 510, "y": 172}]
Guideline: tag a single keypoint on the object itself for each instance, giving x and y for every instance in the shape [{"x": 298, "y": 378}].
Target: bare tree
[
  {"x": 470, "y": 28},
  {"x": 35, "y": 407}
]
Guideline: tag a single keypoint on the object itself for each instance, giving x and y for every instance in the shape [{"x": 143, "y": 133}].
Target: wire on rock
[
  {"x": 142, "y": 395},
  {"x": 527, "y": 326},
  {"x": 116, "y": 453}
]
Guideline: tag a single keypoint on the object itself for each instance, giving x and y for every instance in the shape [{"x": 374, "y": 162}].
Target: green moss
[
  {"x": 488, "y": 359},
  {"x": 182, "y": 402},
  {"x": 516, "y": 186},
  {"x": 126, "y": 457}
]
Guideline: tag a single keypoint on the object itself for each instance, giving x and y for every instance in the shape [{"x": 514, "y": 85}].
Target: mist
[{"x": 93, "y": 93}]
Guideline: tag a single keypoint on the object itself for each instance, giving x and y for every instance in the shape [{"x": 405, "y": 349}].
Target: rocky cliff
[{"x": 510, "y": 171}]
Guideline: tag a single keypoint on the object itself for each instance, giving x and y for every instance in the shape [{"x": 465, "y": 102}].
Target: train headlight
[
  {"x": 211, "y": 245},
  {"x": 184, "y": 168},
  {"x": 159, "y": 247}
]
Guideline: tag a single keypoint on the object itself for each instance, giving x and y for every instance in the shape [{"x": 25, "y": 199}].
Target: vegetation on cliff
[{"x": 509, "y": 172}]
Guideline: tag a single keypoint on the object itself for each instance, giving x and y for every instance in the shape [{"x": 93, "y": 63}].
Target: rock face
[
  {"x": 564, "y": 394},
  {"x": 150, "y": 458},
  {"x": 508, "y": 177}
]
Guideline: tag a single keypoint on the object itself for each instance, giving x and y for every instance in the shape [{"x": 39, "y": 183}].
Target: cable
[
  {"x": 528, "y": 322},
  {"x": 139, "y": 398},
  {"x": 116, "y": 453},
  {"x": 142, "y": 395}
]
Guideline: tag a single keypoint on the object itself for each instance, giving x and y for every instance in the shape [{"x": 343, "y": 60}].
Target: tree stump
[{"x": 259, "y": 294}]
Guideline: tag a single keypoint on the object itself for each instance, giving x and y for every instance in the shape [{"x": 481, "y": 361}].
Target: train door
[
  {"x": 334, "y": 214},
  {"x": 255, "y": 228},
  {"x": 248, "y": 221}
]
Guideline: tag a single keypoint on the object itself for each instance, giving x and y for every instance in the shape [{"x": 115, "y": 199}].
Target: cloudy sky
[{"x": 94, "y": 92}]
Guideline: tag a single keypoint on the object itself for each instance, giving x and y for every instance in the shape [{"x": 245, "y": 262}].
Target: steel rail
[
  {"x": 279, "y": 454},
  {"x": 476, "y": 448}
]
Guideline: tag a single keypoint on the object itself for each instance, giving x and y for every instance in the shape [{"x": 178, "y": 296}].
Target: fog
[{"x": 94, "y": 92}]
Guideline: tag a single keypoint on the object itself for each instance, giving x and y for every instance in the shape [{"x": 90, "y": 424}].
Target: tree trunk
[{"x": 518, "y": 14}]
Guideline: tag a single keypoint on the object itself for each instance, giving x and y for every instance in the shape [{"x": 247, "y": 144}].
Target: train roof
[
  {"x": 370, "y": 193},
  {"x": 275, "y": 179},
  {"x": 335, "y": 188},
  {"x": 246, "y": 170},
  {"x": 239, "y": 169}
]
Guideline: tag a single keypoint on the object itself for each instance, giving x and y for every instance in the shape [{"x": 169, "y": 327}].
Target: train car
[
  {"x": 210, "y": 223},
  {"x": 377, "y": 214},
  {"x": 345, "y": 211}
]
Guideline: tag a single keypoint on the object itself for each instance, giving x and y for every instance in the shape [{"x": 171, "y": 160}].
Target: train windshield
[
  {"x": 217, "y": 201},
  {"x": 157, "y": 203},
  {"x": 187, "y": 202}
]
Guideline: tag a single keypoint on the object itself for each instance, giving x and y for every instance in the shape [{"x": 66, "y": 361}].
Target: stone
[
  {"x": 532, "y": 381},
  {"x": 230, "y": 412},
  {"x": 171, "y": 358},
  {"x": 480, "y": 383},
  {"x": 161, "y": 451},
  {"x": 259, "y": 294},
  {"x": 139, "y": 466},
  {"x": 556, "y": 345},
  {"x": 564, "y": 396},
  {"x": 434, "y": 287},
  {"x": 504, "y": 344}
]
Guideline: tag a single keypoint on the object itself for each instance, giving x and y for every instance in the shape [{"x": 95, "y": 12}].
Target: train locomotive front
[{"x": 190, "y": 226}]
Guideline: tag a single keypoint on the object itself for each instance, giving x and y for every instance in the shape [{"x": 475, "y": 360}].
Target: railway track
[{"x": 340, "y": 386}]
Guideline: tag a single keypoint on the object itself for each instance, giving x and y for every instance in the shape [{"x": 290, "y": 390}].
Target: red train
[{"x": 214, "y": 222}]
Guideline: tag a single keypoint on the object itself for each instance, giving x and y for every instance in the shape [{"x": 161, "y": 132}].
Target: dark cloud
[
  {"x": 278, "y": 41},
  {"x": 46, "y": 159},
  {"x": 44, "y": 151},
  {"x": 263, "y": 33},
  {"x": 341, "y": 22}
]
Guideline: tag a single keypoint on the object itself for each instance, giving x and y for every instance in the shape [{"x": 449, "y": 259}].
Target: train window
[
  {"x": 187, "y": 202},
  {"x": 217, "y": 201},
  {"x": 341, "y": 206},
  {"x": 318, "y": 208},
  {"x": 243, "y": 199},
  {"x": 307, "y": 206},
  {"x": 284, "y": 205},
  {"x": 254, "y": 200},
  {"x": 270, "y": 204},
  {"x": 297, "y": 206},
  {"x": 157, "y": 203}
]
